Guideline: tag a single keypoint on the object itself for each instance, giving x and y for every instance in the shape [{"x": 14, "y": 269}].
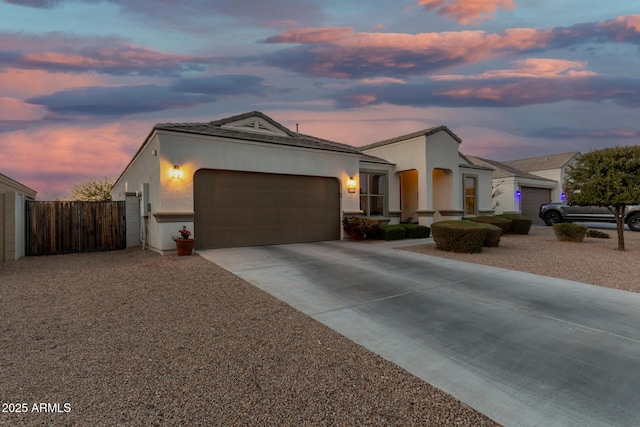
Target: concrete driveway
[{"x": 525, "y": 350}]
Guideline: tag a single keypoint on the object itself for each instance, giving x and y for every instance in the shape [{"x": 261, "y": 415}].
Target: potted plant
[{"x": 184, "y": 242}]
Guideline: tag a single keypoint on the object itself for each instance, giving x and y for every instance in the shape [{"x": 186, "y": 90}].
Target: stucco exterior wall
[
  {"x": 436, "y": 160},
  {"x": 406, "y": 155},
  {"x": 484, "y": 181},
  {"x": 3, "y": 217},
  {"x": 393, "y": 185},
  {"x": 173, "y": 197},
  {"x": 556, "y": 175},
  {"x": 142, "y": 177},
  {"x": 12, "y": 226},
  {"x": 13, "y": 196},
  {"x": 509, "y": 200}
]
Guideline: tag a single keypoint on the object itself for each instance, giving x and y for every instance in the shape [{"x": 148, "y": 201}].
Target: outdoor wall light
[
  {"x": 518, "y": 193},
  {"x": 563, "y": 196},
  {"x": 176, "y": 173},
  {"x": 351, "y": 184}
]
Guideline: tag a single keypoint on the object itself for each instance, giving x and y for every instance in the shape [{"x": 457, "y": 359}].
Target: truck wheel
[
  {"x": 634, "y": 222},
  {"x": 552, "y": 217}
]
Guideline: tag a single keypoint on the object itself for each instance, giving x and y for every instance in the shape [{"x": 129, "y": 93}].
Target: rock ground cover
[{"x": 133, "y": 338}]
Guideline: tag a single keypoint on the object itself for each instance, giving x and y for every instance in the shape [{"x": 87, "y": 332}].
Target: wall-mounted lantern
[
  {"x": 176, "y": 172},
  {"x": 563, "y": 197},
  {"x": 518, "y": 193},
  {"x": 351, "y": 184}
]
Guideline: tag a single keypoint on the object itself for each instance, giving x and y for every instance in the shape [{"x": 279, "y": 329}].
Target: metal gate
[{"x": 66, "y": 227}]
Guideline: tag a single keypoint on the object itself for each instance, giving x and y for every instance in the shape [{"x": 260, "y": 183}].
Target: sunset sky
[{"x": 82, "y": 82}]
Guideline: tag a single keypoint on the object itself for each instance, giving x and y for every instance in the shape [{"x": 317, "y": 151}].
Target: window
[
  {"x": 372, "y": 193},
  {"x": 469, "y": 195}
]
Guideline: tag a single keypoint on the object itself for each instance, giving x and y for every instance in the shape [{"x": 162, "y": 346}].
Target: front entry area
[{"x": 234, "y": 208}]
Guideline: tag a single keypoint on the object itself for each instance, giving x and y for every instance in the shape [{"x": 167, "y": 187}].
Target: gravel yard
[
  {"x": 593, "y": 261},
  {"x": 133, "y": 338}
]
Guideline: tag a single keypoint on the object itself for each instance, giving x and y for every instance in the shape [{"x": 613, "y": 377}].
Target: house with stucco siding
[
  {"x": 522, "y": 185},
  {"x": 248, "y": 180},
  {"x": 13, "y": 196}
]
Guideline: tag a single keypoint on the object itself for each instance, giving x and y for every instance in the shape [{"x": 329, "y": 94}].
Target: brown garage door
[
  {"x": 530, "y": 200},
  {"x": 247, "y": 209}
]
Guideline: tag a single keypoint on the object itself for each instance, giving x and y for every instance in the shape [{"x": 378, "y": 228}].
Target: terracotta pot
[{"x": 185, "y": 246}]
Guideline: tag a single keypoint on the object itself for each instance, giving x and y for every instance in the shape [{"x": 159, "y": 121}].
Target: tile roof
[
  {"x": 424, "y": 132},
  {"x": 472, "y": 165},
  {"x": 12, "y": 183},
  {"x": 551, "y": 161},
  {"x": 502, "y": 170},
  {"x": 215, "y": 128}
]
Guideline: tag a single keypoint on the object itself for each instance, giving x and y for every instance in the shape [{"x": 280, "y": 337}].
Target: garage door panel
[
  {"x": 530, "y": 200},
  {"x": 246, "y": 209}
]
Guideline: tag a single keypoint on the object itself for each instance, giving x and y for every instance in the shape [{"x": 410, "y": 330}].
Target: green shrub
[
  {"x": 391, "y": 232},
  {"x": 503, "y": 223},
  {"x": 492, "y": 239},
  {"x": 459, "y": 236},
  {"x": 568, "y": 232},
  {"x": 520, "y": 224},
  {"x": 360, "y": 228},
  {"x": 598, "y": 234},
  {"x": 415, "y": 231}
]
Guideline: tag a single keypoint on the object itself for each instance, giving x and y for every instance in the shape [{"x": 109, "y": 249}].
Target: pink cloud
[
  {"x": 27, "y": 83},
  {"x": 63, "y": 52},
  {"x": 313, "y": 35},
  {"x": 342, "y": 52},
  {"x": 631, "y": 25},
  {"x": 532, "y": 67},
  {"x": 16, "y": 109},
  {"x": 52, "y": 159},
  {"x": 467, "y": 11}
]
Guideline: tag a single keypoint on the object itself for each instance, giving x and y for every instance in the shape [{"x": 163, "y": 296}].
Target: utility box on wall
[{"x": 132, "y": 209}]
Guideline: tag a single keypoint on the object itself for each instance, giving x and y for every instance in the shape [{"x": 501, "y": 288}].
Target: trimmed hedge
[
  {"x": 503, "y": 223},
  {"x": 415, "y": 231},
  {"x": 459, "y": 236},
  {"x": 520, "y": 224},
  {"x": 598, "y": 234},
  {"x": 568, "y": 232},
  {"x": 360, "y": 228},
  {"x": 391, "y": 232},
  {"x": 492, "y": 239}
]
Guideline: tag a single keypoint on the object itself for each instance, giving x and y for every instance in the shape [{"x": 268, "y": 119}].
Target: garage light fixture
[
  {"x": 518, "y": 193},
  {"x": 176, "y": 173},
  {"x": 351, "y": 184}
]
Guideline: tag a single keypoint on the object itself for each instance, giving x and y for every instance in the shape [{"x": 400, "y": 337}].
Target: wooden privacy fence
[{"x": 65, "y": 227}]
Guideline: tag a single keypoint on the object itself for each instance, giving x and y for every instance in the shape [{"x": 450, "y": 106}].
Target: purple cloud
[
  {"x": 342, "y": 52},
  {"x": 126, "y": 100},
  {"x": 499, "y": 92},
  {"x": 199, "y": 10},
  {"x": 40, "y": 4},
  {"x": 58, "y": 52},
  {"x": 586, "y": 134}
]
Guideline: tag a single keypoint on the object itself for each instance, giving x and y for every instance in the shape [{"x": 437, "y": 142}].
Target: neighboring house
[
  {"x": 12, "y": 217},
  {"x": 247, "y": 180},
  {"x": 523, "y": 185}
]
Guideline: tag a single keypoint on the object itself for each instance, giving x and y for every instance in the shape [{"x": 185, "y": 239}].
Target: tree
[
  {"x": 496, "y": 191},
  {"x": 609, "y": 177},
  {"x": 93, "y": 189}
]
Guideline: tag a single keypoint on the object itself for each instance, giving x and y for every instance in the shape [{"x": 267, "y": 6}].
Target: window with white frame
[
  {"x": 470, "y": 195},
  {"x": 373, "y": 193}
]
